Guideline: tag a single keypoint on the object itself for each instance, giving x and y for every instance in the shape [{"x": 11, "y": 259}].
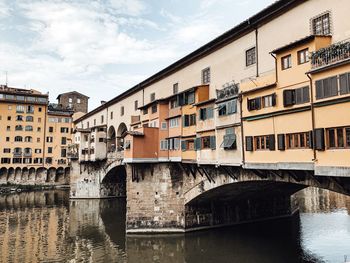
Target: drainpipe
[
  {"x": 44, "y": 140},
  {"x": 312, "y": 117},
  {"x": 276, "y": 75},
  {"x": 106, "y": 134},
  {"x": 257, "y": 52},
  {"x": 240, "y": 99}
]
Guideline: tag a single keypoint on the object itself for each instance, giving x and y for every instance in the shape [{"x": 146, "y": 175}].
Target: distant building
[{"x": 74, "y": 100}]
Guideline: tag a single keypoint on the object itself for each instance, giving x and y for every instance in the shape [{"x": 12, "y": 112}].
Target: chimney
[{"x": 103, "y": 102}]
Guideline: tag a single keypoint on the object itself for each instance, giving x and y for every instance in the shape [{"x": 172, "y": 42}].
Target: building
[
  {"x": 276, "y": 99},
  {"x": 74, "y": 100},
  {"x": 34, "y": 137}
]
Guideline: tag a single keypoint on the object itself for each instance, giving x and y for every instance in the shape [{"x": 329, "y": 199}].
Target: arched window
[
  {"x": 28, "y": 139},
  {"x": 27, "y": 151},
  {"x": 30, "y": 118},
  {"x": 19, "y": 118},
  {"x": 19, "y": 128},
  {"x": 29, "y": 128},
  {"x": 18, "y": 139},
  {"x": 17, "y": 150}
]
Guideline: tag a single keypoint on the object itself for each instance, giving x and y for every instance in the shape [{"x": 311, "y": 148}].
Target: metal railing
[{"x": 335, "y": 53}]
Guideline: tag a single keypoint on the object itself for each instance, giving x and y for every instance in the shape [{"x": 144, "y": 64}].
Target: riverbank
[{"x": 17, "y": 188}]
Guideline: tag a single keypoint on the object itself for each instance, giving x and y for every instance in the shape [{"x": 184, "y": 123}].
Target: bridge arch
[
  {"x": 59, "y": 175},
  {"x": 121, "y": 132},
  {"x": 113, "y": 184},
  {"x": 3, "y": 174},
  {"x": 31, "y": 176}
]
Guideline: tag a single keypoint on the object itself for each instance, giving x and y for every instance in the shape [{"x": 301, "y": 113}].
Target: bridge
[{"x": 181, "y": 197}]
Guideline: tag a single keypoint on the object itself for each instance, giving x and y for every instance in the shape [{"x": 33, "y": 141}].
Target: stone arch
[
  {"x": 31, "y": 176},
  {"x": 66, "y": 175},
  {"x": 41, "y": 175},
  {"x": 121, "y": 132},
  {"x": 3, "y": 175},
  {"x": 111, "y": 139},
  {"x": 18, "y": 174},
  {"x": 51, "y": 175},
  {"x": 59, "y": 178},
  {"x": 113, "y": 184},
  {"x": 11, "y": 174},
  {"x": 25, "y": 174}
]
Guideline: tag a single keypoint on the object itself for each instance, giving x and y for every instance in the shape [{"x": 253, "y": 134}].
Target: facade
[
  {"x": 265, "y": 103},
  {"x": 34, "y": 137},
  {"x": 74, "y": 101}
]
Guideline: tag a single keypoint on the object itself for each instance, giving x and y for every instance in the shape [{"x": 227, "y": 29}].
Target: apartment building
[
  {"x": 34, "y": 135},
  {"x": 269, "y": 103}
]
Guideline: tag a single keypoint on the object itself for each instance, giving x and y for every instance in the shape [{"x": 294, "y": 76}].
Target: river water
[{"x": 47, "y": 227}]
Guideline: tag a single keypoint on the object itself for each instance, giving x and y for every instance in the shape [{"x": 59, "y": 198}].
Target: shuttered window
[
  {"x": 206, "y": 113},
  {"x": 326, "y": 88},
  {"x": 288, "y": 98},
  {"x": 254, "y": 104},
  {"x": 302, "y": 95},
  {"x": 344, "y": 83},
  {"x": 269, "y": 101},
  {"x": 249, "y": 143},
  {"x": 319, "y": 139},
  {"x": 264, "y": 142},
  {"x": 281, "y": 142},
  {"x": 227, "y": 108},
  {"x": 338, "y": 138},
  {"x": 299, "y": 140}
]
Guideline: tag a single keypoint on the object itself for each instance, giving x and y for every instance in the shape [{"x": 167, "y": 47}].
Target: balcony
[
  {"x": 333, "y": 54},
  {"x": 73, "y": 151},
  {"x": 17, "y": 154}
]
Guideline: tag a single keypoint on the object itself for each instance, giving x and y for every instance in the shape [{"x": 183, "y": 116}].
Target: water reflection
[{"x": 47, "y": 227}]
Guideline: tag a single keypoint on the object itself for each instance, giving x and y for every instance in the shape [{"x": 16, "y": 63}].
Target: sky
[{"x": 102, "y": 48}]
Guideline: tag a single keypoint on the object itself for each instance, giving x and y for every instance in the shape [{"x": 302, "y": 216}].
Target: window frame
[
  {"x": 206, "y": 75},
  {"x": 306, "y": 53},
  {"x": 289, "y": 59},
  {"x": 250, "y": 58}
]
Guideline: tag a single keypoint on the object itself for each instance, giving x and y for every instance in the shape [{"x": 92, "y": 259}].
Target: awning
[{"x": 228, "y": 141}]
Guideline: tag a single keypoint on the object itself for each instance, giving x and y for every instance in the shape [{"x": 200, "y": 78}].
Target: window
[
  {"x": 254, "y": 104},
  {"x": 145, "y": 111},
  {"x": 154, "y": 108},
  {"x": 298, "y": 140},
  {"x": 17, "y": 151},
  {"x": 20, "y": 109},
  {"x": 64, "y": 130},
  {"x": 326, "y": 88},
  {"x": 9, "y": 107},
  {"x": 111, "y": 115},
  {"x": 28, "y": 139},
  {"x": 49, "y": 160},
  {"x": 5, "y": 160},
  {"x": 338, "y": 137},
  {"x": 94, "y": 122},
  {"x": 163, "y": 126},
  {"x": 174, "y": 123},
  {"x": 163, "y": 145},
  {"x": 264, "y": 142},
  {"x": 287, "y": 62},
  {"x": 9, "y": 97},
  {"x": 153, "y": 96},
  {"x": 19, "y": 118},
  {"x": 7, "y": 139},
  {"x": 321, "y": 25},
  {"x": 206, "y": 113},
  {"x": 207, "y": 142},
  {"x": 38, "y": 160},
  {"x": 17, "y": 160},
  {"x": 50, "y": 129},
  {"x": 102, "y": 119},
  {"x": 174, "y": 144},
  {"x": 37, "y": 151},
  {"x": 269, "y": 101},
  {"x": 18, "y": 139},
  {"x": 122, "y": 111},
  {"x": 38, "y": 129},
  {"x": 187, "y": 145},
  {"x": 31, "y": 99},
  {"x": 63, "y": 153},
  {"x": 63, "y": 140},
  {"x": 8, "y": 128},
  {"x": 229, "y": 140},
  {"x": 344, "y": 83},
  {"x": 30, "y": 119},
  {"x": 296, "y": 96},
  {"x": 175, "y": 88},
  {"x": 70, "y": 100},
  {"x": 49, "y": 150},
  {"x": 136, "y": 105},
  {"x": 189, "y": 98},
  {"x": 303, "y": 56},
  {"x": 189, "y": 120},
  {"x": 18, "y": 128},
  {"x": 40, "y": 109},
  {"x": 206, "y": 76},
  {"x": 7, "y": 150},
  {"x": 29, "y": 128},
  {"x": 250, "y": 57},
  {"x": 30, "y": 109},
  {"x": 8, "y": 118},
  {"x": 37, "y": 139},
  {"x": 78, "y": 101},
  {"x": 100, "y": 139},
  {"x": 174, "y": 103},
  {"x": 49, "y": 139}
]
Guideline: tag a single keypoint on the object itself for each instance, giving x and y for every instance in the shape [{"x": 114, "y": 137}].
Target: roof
[
  {"x": 72, "y": 92},
  {"x": 296, "y": 43},
  {"x": 264, "y": 16}
]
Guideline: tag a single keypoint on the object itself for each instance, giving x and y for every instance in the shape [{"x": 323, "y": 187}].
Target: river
[{"x": 48, "y": 227}]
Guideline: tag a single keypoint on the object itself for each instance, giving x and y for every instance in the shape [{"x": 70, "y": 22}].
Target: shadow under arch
[
  {"x": 111, "y": 139},
  {"x": 3, "y": 174},
  {"x": 114, "y": 183},
  {"x": 59, "y": 178},
  {"x": 121, "y": 133}
]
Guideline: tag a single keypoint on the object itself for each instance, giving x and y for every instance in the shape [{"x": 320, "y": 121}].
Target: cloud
[{"x": 128, "y": 7}]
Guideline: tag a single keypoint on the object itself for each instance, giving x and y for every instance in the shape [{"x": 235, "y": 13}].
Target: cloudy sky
[{"x": 103, "y": 47}]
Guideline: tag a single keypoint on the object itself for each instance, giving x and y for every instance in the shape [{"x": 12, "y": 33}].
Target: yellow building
[{"x": 34, "y": 137}]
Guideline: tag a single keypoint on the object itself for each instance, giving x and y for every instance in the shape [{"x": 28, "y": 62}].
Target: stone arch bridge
[{"x": 180, "y": 197}]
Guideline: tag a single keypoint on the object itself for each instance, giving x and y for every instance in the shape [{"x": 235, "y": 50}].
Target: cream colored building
[{"x": 249, "y": 55}]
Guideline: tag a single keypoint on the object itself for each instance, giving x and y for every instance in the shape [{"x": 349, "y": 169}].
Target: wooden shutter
[
  {"x": 306, "y": 94},
  {"x": 334, "y": 85},
  {"x": 234, "y": 106},
  {"x": 197, "y": 144},
  {"x": 249, "y": 107},
  {"x": 298, "y": 96},
  {"x": 272, "y": 143},
  {"x": 258, "y": 103},
  {"x": 319, "y": 89},
  {"x": 274, "y": 97},
  {"x": 281, "y": 142},
  {"x": 249, "y": 143},
  {"x": 311, "y": 140},
  {"x": 288, "y": 98},
  {"x": 319, "y": 139},
  {"x": 212, "y": 142},
  {"x": 344, "y": 83}
]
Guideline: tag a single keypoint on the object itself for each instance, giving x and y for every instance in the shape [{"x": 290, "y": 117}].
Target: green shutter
[
  {"x": 183, "y": 146},
  {"x": 212, "y": 142},
  {"x": 281, "y": 142},
  {"x": 272, "y": 143},
  {"x": 319, "y": 139},
  {"x": 249, "y": 143},
  {"x": 197, "y": 144}
]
